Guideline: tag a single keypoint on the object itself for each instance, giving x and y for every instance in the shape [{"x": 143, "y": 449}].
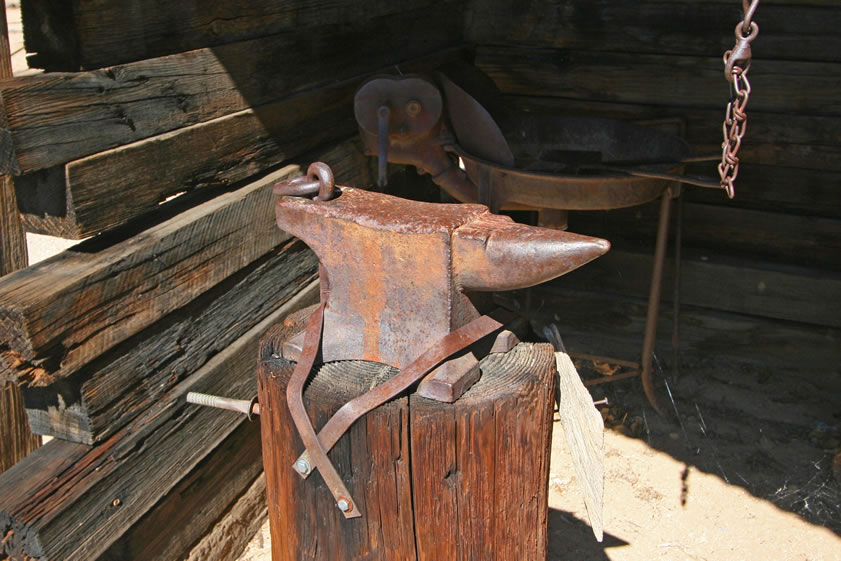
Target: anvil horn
[{"x": 495, "y": 253}]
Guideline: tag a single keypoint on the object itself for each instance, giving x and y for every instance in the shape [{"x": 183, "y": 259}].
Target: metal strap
[
  {"x": 318, "y": 446},
  {"x": 295, "y": 401}
]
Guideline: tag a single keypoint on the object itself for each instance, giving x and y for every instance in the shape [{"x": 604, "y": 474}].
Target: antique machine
[{"x": 455, "y": 127}]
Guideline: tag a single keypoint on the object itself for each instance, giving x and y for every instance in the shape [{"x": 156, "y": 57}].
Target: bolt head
[
  {"x": 343, "y": 504},
  {"x": 302, "y": 467},
  {"x": 413, "y": 108}
]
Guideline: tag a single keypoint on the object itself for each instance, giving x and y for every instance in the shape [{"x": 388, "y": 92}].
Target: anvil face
[{"x": 396, "y": 268}]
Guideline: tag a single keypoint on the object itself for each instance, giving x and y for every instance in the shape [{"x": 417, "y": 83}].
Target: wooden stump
[{"x": 434, "y": 481}]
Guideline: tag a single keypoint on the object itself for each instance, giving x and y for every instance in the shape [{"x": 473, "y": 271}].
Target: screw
[
  {"x": 302, "y": 466},
  {"x": 343, "y": 504}
]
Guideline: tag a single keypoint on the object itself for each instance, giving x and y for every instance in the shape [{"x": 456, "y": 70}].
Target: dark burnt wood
[
  {"x": 433, "y": 480},
  {"x": 16, "y": 440},
  {"x": 113, "y": 389},
  {"x": 67, "y": 36},
  {"x": 87, "y": 196},
  {"x": 720, "y": 282},
  {"x": 200, "y": 499},
  {"x": 138, "y": 100},
  {"x": 680, "y": 27},
  {"x": 68, "y": 501}
]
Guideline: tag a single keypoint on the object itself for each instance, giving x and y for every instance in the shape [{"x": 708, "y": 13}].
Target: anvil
[
  {"x": 397, "y": 270},
  {"x": 394, "y": 276}
]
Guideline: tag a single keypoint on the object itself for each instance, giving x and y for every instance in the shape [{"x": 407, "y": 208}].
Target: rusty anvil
[{"x": 394, "y": 273}]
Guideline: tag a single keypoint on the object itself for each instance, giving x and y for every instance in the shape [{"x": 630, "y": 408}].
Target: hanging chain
[{"x": 736, "y": 65}]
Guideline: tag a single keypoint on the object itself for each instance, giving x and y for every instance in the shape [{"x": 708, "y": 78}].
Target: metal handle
[
  {"x": 688, "y": 179},
  {"x": 383, "y": 118}
]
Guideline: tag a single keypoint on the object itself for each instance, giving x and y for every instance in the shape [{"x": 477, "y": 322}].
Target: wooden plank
[
  {"x": 686, "y": 27},
  {"x": 209, "y": 510},
  {"x": 719, "y": 282},
  {"x": 781, "y": 190},
  {"x": 779, "y": 139},
  {"x": 603, "y": 324},
  {"x": 51, "y": 115},
  {"x": 13, "y": 241},
  {"x": 218, "y": 152},
  {"x": 229, "y": 538},
  {"x": 91, "y": 34},
  {"x": 65, "y": 311},
  {"x": 584, "y": 432},
  {"x": 773, "y": 141},
  {"x": 116, "y": 387},
  {"x": 677, "y": 81},
  {"x": 79, "y": 512},
  {"x": 16, "y": 440},
  {"x": 803, "y": 240},
  {"x": 83, "y": 197}
]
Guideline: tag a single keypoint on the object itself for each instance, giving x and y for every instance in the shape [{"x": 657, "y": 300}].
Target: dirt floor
[{"x": 740, "y": 468}]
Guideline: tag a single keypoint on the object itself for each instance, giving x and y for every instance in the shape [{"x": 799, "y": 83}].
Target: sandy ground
[{"x": 658, "y": 508}]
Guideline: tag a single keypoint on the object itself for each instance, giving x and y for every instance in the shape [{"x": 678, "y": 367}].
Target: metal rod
[
  {"x": 614, "y": 378},
  {"x": 607, "y": 359},
  {"x": 383, "y": 117},
  {"x": 688, "y": 179},
  {"x": 244, "y": 406},
  {"x": 677, "y": 279},
  {"x": 654, "y": 298}
]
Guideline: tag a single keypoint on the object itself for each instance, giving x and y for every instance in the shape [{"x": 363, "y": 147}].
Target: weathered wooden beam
[
  {"x": 230, "y": 537},
  {"x": 70, "y": 501},
  {"x": 64, "y": 312},
  {"x": 67, "y": 36},
  {"x": 779, "y": 139},
  {"x": 720, "y": 283},
  {"x": 16, "y": 440},
  {"x": 793, "y": 239},
  {"x": 677, "y": 81},
  {"x": 209, "y": 510},
  {"x": 119, "y": 385},
  {"x": 87, "y": 196},
  {"x": 779, "y": 189},
  {"x": 609, "y": 325},
  {"x": 683, "y": 27},
  {"x": 56, "y": 118}
]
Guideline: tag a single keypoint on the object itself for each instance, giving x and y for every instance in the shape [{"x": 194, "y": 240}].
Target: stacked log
[{"x": 164, "y": 147}]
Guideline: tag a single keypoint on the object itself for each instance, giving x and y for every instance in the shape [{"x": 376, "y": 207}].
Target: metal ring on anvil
[{"x": 318, "y": 181}]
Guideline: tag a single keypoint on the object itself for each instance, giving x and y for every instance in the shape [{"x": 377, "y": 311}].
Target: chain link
[{"x": 736, "y": 65}]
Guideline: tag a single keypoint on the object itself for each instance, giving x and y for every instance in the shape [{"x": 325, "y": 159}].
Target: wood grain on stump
[{"x": 434, "y": 481}]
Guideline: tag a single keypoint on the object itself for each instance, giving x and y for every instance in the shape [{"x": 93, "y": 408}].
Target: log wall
[
  {"x": 159, "y": 129},
  {"x": 775, "y": 250}
]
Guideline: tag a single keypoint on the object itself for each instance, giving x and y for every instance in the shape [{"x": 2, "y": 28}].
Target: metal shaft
[
  {"x": 244, "y": 406},
  {"x": 654, "y": 299}
]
